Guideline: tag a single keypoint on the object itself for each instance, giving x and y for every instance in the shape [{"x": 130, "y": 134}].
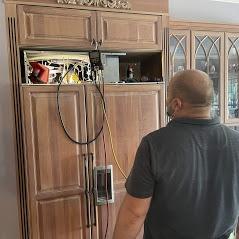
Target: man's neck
[{"x": 194, "y": 115}]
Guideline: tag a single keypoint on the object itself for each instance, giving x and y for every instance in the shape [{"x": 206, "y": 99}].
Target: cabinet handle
[
  {"x": 100, "y": 42},
  {"x": 93, "y": 190},
  {"x": 93, "y": 42},
  {"x": 96, "y": 44},
  {"x": 86, "y": 164}
]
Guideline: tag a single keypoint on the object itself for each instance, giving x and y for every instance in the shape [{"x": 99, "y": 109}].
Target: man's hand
[{"x": 131, "y": 217}]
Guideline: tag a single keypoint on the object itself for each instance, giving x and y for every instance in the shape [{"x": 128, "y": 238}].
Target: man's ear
[{"x": 177, "y": 104}]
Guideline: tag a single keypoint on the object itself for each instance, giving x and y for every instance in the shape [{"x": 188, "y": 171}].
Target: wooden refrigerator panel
[
  {"x": 55, "y": 167},
  {"x": 133, "y": 111}
]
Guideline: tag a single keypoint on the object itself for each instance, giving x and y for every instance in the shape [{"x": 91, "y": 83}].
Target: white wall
[
  {"x": 9, "y": 228},
  {"x": 204, "y": 11}
]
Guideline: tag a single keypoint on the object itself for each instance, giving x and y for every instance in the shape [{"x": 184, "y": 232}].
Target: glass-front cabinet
[
  {"x": 208, "y": 56},
  {"x": 232, "y": 80},
  {"x": 179, "y": 50}
]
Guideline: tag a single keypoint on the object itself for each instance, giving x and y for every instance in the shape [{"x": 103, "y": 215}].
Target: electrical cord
[
  {"x": 105, "y": 118},
  {"x": 106, "y": 187},
  {"x": 110, "y": 132},
  {"x": 101, "y": 80},
  {"x": 60, "y": 115},
  {"x": 112, "y": 144}
]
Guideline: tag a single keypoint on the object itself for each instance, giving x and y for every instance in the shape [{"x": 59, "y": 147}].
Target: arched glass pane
[
  {"x": 233, "y": 91},
  {"x": 235, "y": 40},
  {"x": 214, "y": 73},
  {"x": 173, "y": 43},
  {"x": 201, "y": 59},
  {"x": 177, "y": 52},
  {"x": 207, "y": 43},
  {"x": 208, "y": 60},
  {"x": 216, "y": 41},
  {"x": 197, "y": 42},
  {"x": 179, "y": 59}
]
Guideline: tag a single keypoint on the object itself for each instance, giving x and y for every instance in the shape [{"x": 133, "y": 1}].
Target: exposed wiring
[
  {"x": 60, "y": 116},
  {"x": 105, "y": 117},
  {"x": 98, "y": 81},
  {"x": 111, "y": 141},
  {"x": 112, "y": 144}
]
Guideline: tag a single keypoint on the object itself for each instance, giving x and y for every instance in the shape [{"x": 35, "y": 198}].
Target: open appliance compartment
[{"x": 48, "y": 67}]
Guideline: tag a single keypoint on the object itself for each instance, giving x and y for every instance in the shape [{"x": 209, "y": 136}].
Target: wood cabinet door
[
  {"x": 208, "y": 55},
  {"x": 129, "y": 31},
  {"x": 179, "y": 46},
  {"x": 231, "y": 79},
  {"x": 133, "y": 111},
  {"x": 56, "y": 27},
  {"x": 54, "y": 165}
]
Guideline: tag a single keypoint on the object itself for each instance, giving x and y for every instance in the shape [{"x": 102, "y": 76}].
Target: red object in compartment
[{"x": 40, "y": 73}]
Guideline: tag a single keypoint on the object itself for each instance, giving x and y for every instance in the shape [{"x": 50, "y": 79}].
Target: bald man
[{"x": 185, "y": 180}]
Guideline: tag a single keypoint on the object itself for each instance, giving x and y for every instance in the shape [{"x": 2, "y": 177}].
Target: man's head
[{"x": 190, "y": 94}]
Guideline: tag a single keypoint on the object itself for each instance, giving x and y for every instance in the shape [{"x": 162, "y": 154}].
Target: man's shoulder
[
  {"x": 158, "y": 134},
  {"x": 230, "y": 131}
]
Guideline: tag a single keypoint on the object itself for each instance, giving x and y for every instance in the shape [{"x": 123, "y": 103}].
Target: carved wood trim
[
  {"x": 118, "y": 4},
  {"x": 133, "y": 10}
]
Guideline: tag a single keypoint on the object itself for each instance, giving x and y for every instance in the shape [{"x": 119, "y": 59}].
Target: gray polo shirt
[{"x": 191, "y": 170}]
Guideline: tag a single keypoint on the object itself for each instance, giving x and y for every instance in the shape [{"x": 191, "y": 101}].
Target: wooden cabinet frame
[
  {"x": 59, "y": 27},
  {"x": 224, "y": 31},
  {"x": 23, "y": 34}
]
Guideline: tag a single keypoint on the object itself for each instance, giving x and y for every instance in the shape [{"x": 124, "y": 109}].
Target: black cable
[
  {"x": 106, "y": 191},
  {"x": 92, "y": 140},
  {"x": 106, "y": 178},
  {"x": 60, "y": 116}
]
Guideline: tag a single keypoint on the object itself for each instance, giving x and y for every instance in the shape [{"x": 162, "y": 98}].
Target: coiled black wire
[{"x": 60, "y": 115}]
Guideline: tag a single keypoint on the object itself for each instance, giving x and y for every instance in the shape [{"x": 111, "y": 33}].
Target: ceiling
[{"x": 216, "y": 11}]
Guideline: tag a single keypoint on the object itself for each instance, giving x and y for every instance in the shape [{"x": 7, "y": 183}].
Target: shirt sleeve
[{"x": 140, "y": 183}]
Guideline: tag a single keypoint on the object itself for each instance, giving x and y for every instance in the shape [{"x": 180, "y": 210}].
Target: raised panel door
[
  {"x": 56, "y": 27},
  {"x": 129, "y": 31},
  {"x": 208, "y": 56},
  {"x": 55, "y": 165},
  {"x": 132, "y": 111}
]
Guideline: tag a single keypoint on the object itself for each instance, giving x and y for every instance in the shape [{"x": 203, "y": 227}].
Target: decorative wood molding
[
  {"x": 118, "y": 4},
  {"x": 202, "y": 26},
  {"x": 14, "y": 68}
]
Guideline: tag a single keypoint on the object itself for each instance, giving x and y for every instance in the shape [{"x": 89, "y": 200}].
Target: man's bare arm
[{"x": 131, "y": 217}]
